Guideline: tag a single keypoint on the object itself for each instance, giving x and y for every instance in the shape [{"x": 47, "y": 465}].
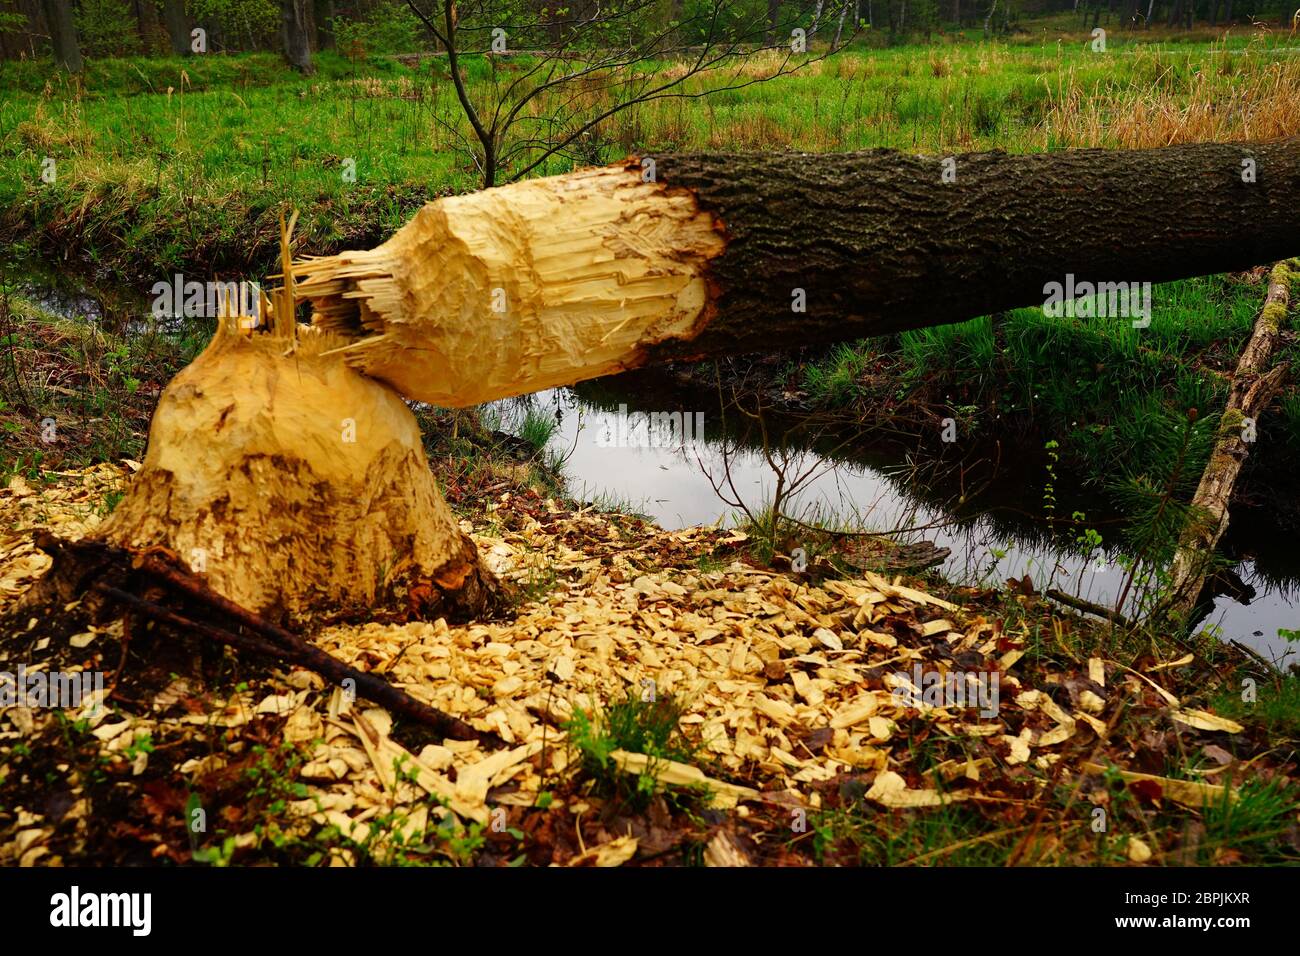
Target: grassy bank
[
  {"x": 166, "y": 165},
  {"x": 1107, "y": 392}
]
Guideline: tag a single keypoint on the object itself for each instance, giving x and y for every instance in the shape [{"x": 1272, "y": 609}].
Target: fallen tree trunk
[
  {"x": 1253, "y": 386},
  {"x": 552, "y": 281},
  {"x": 298, "y": 487}
]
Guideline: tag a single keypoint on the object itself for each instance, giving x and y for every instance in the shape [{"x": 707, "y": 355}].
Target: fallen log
[
  {"x": 1254, "y": 384},
  {"x": 552, "y": 281},
  {"x": 1089, "y": 607}
]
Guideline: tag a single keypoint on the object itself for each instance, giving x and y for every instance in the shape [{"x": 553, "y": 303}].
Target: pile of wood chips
[{"x": 788, "y": 685}]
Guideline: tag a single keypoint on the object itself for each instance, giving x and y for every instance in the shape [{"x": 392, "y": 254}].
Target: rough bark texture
[
  {"x": 63, "y": 35},
  {"x": 600, "y": 270},
  {"x": 296, "y": 30},
  {"x": 880, "y": 244},
  {"x": 178, "y": 26},
  {"x": 1253, "y": 386},
  {"x": 323, "y": 16},
  {"x": 148, "y": 25}
]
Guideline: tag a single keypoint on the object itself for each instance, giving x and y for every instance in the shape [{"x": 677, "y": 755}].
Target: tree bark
[
  {"x": 817, "y": 15},
  {"x": 63, "y": 35},
  {"x": 178, "y": 26},
  {"x": 324, "y": 17},
  {"x": 553, "y": 281},
  {"x": 147, "y": 25},
  {"x": 296, "y": 34},
  {"x": 1253, "y": 388},
  {"x": 839, "y": 27}
]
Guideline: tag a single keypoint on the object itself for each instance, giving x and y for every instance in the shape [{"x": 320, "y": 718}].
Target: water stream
[{"x": 999, "y": 532}]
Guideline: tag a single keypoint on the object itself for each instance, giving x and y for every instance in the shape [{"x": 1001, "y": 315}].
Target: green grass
[
  {"x": 165, "y": 164},
  {"x": 1255, "y": 823},
  {"x": 1275, "y": 708},
  {"x": 834, "y": 381},
  {"x": 643, "y": 723},
  {"x": 79, "y": 391},
  {"x": 537, "y": 427},
  {"x": 1108, "y": 393}
]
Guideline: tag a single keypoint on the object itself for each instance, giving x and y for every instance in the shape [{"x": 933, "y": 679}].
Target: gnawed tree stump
[
  {"x": 1254, "y": 384},
  {"x": 295, "y": 485}
]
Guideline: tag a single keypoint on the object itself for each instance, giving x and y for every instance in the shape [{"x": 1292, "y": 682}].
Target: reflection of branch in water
[
  {"x": 787, "y": 465},
  {"x": 792, "y": 477}
]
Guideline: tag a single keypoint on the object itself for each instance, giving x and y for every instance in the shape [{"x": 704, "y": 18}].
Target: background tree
[
  {"x": 63, "y": 35},
  {"x": 178, "y": 26},
  {"x": 590, "y": 62},
  {"x": 296, "y": 31},
  {"x": 148, "y": 24}
]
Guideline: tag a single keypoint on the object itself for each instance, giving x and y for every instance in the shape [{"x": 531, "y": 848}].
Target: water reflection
[{"x": 998, "y": 531}]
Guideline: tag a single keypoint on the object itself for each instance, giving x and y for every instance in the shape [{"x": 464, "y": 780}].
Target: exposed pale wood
[
  {"x": 1253, "y": 386},
  {"x": 510, "y": 290},
  {"x": 296, "y": 486}
]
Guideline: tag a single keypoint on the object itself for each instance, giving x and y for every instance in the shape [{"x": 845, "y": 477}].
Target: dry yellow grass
[{"x": 1221, "y": 105}]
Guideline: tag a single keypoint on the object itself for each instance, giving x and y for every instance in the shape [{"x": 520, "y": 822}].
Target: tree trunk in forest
[
  {"x": 324, "y": 17},
  {"x": 178, "y": 26},
  {"x": 552, "y": 281},
  {"x": 296, "y": 35},
  {"x": 147, "y": 25},
  {"x": 63, "y": 35},
  {"x": 817, "y": 15},
  {"x": 1253, "y": 388}
]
